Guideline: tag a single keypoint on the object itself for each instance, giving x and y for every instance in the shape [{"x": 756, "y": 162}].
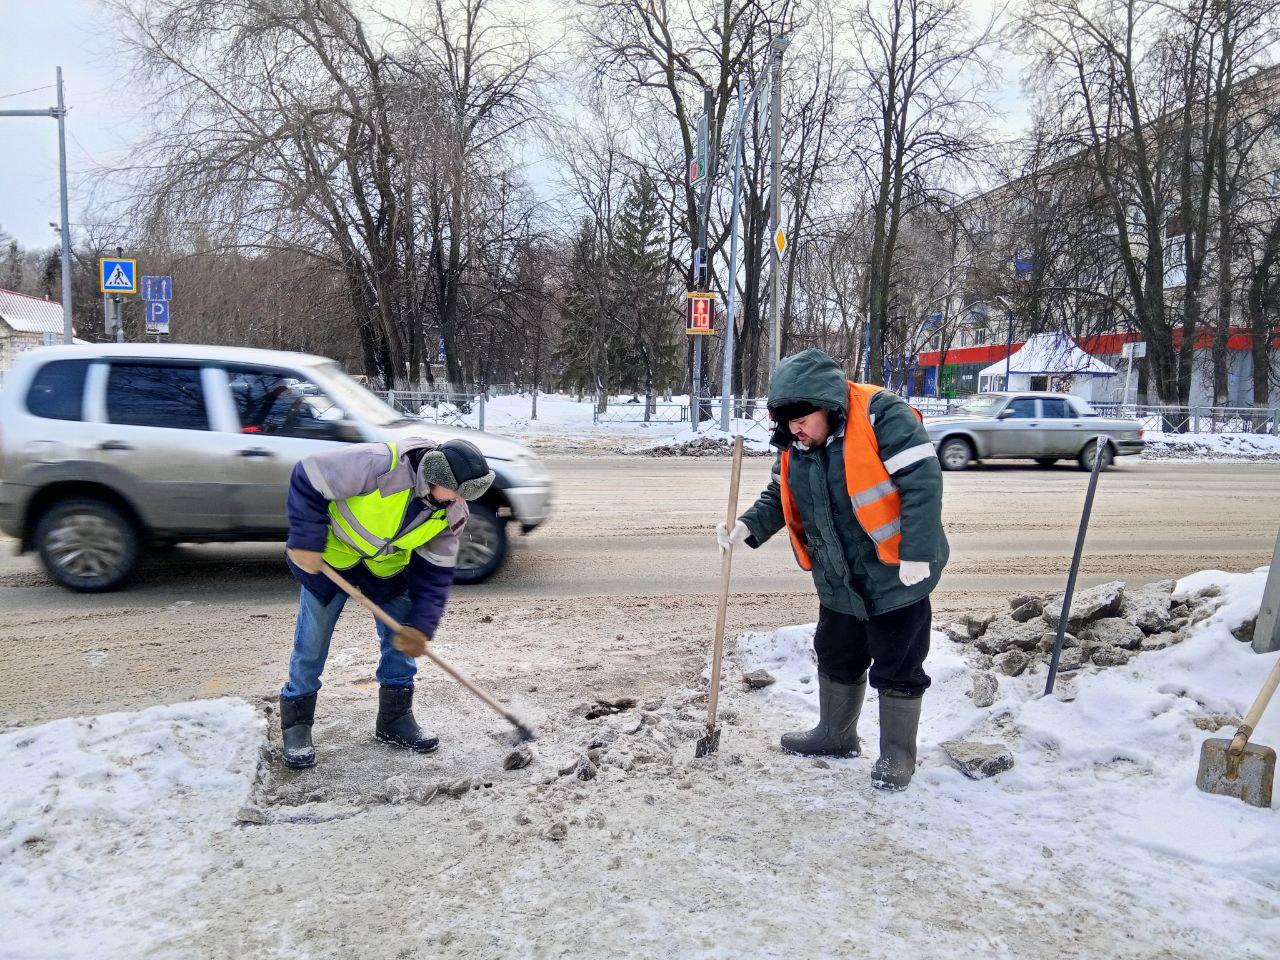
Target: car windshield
[
  {"x": 355, "y": 399},
  {"x": 979, "y": 405}
]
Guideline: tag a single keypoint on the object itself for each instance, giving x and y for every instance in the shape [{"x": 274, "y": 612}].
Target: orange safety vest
[{"x": 876, "y": 501}]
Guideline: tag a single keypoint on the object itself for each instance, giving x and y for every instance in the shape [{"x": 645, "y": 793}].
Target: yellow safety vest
[{"x": 370, "y": 528}]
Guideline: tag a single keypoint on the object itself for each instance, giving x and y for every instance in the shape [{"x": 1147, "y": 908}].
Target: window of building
[
  {"x": 57, "y": 390},
  {"x": 156, "y": 395}
]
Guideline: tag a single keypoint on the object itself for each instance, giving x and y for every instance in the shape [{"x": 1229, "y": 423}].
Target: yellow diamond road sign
[{"x": 780, "y": 242}]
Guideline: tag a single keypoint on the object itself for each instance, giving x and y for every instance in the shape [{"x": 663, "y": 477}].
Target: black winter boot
[
  {"x": 899, "y": 721},
  {"x": 836, "y": 734},
  {"x": 396, "y": 725},
  {"x": 296, "y": 718}
]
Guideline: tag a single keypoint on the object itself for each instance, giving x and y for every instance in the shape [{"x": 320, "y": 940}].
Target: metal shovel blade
[
  {"x": 708, "y": 744},
  {"x": 1254, "y": 772}
]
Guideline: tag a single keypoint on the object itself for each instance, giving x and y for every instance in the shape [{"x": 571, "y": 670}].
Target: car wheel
[
  {"x": 955, "y": 454},
  {"x": 87, "y": 545},
  {"x": 1087, "y": 454},
  {"x": 1046, "y": 461},
  {"x": 484, "y": 545}
]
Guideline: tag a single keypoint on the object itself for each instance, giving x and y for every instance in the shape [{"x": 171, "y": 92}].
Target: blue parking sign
[
  {"x": 157, "y": 316},
  {"x": 118, "y": 276}
]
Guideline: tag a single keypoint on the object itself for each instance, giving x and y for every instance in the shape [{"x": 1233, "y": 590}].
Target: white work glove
[
  {"x": 727, "y": 539},
  {"x": 911, "y": 572}
]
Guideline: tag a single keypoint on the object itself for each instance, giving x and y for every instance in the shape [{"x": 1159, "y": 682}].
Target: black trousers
[{"x": 892, "y": 646}]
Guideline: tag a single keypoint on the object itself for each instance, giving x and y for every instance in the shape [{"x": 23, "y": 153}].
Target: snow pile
[
  {"x": 104, "y": 823},
  {"x": 1205, "y": 446},
  {"x": 1105, "y": 769},
  {"x": 708, "y": 442}
]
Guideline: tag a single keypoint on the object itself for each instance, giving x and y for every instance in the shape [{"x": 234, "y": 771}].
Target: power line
[{"x": 7, "y": 96}]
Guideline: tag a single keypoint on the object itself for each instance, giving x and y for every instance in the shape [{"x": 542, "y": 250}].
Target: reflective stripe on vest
[
  {"x": 873, "y": 495},
  {"x": 370, "y": 528}
]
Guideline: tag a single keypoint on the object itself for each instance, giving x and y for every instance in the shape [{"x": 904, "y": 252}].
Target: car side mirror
[
  {"x": 1004, "y": 414},
  {"x": 347, "y": 432}
]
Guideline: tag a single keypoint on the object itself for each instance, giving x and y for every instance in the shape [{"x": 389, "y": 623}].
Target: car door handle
[
  {"x": 256, "y": 452},
  {"x": 114, "y": 445}
]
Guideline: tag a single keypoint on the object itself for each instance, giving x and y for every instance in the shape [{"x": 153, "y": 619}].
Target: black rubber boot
[
  {"x": 296, "y": 718},
  {"x": 899, "y": 721},
  {"x": 396, "y": 724},
  {"x": 836, "y": 734}
]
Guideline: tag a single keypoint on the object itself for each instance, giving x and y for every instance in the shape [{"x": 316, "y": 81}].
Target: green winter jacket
[{"x": 849, "y": 576}]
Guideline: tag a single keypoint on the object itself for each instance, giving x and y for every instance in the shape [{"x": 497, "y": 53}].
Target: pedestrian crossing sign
[{"x": 118, "y": 276}]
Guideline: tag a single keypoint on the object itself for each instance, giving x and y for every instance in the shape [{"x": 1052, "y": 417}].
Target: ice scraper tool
[
  {"x": 417, "y": 644},
  {"x": 1236, "y": 767},
  {"x": 711, "y": 742}
]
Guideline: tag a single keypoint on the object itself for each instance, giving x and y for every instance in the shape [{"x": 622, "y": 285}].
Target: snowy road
[{"x": 628, "y": 545}]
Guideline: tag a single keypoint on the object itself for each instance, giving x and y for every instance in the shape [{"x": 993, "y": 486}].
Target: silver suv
[{"x": 107, "y": 449}]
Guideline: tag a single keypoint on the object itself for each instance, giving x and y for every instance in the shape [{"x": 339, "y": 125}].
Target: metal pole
[
  {"x": 708, "y": 105},
  {"x": 1266, "y": 632},
  {"x": 1064, "y": 616},
  {"x": 59, "y": 113},
  {"x": 726, "y": 374},
  {"x": 1008, "y": 352},
  {"x": 775, "y": 199},
  {"x": 67, "y": 335}
]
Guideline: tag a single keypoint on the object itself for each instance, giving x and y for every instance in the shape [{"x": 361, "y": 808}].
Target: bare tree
[{"x": 921, "y": 67}]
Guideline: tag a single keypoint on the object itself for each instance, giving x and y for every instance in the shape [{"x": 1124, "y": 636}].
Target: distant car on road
[
  {"x": 1044, "y": 427},
  {"x": 107, "y": 449}
]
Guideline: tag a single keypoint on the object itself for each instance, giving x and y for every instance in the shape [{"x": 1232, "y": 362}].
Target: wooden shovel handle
[
  {"x": 726, "y": 563},
  {"x": 1245, "y": 730},
  {"x": 385, "y": 618}
]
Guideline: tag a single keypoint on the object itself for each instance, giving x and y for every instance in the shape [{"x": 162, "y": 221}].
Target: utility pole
[
  {"x": 776, "y": 48},
  {"x": 59, "y": 113}
]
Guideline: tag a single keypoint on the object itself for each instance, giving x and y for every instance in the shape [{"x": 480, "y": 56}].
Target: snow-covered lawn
[
  {"x": 1225, "y": 446},
  {"x": 118, "y": 835},
  {"x": 104, "y": 824}
]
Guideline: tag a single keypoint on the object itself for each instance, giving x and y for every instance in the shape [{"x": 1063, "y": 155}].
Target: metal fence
[
  {"x": 440, "y": 406},
  {"x": 1176, "y": 419},
  {"x": 635, "y": 413}
]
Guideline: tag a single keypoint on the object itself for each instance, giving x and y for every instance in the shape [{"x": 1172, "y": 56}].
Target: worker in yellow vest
[
  {"x": 858, "y": 488},
  {"x": 390, "y": 517}
]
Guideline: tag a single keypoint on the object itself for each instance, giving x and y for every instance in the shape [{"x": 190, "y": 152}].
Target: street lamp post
[{"x": 59, "y": 113}]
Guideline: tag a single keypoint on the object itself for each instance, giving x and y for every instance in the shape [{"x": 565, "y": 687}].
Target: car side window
[
  {"x": 156, "y": 395},
  {"x": 277, "y": 403},
  {"x": 57, "y": 390},
  {"x": 1024, "y": 408},
  {"x": 1057, "y": 409}
]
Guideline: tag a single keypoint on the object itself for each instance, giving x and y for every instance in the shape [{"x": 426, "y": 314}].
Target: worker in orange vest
[{"x": 858, "y": 487}]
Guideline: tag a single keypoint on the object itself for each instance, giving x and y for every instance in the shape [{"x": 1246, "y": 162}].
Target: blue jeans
[{"x": 316, "y": 621}]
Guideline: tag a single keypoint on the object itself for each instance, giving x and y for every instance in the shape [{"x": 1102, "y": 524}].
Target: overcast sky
[{"x": 39, "y": 35}]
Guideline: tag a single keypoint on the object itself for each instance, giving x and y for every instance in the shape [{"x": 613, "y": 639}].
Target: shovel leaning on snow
[
  {"x": 415, "y": 643},
  {"x": 711, "y": 742},
  {"x": 1236, "y": 767}
]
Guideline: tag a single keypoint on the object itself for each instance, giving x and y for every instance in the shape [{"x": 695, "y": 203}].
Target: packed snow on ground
[
  {"x": 1105, "y": 771},
  {"x": 104, "y": 823},
  {"x": 117, "y": 837},
  {"x": 1203, "y": 446}
]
